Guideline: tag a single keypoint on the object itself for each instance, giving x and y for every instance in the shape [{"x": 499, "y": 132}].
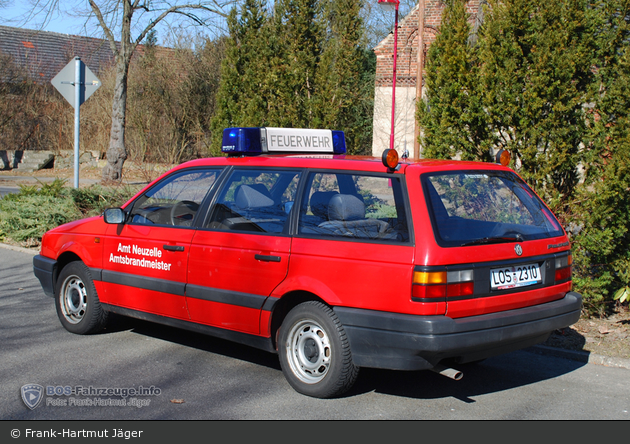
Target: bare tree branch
[
  {"x": 179, "y": 10},
  {"x": 106, "y": 30}
]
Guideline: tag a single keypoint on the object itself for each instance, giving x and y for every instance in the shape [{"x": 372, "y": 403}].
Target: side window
[
  {"x": 255, "y": 200},
  {"x": 354, "y": 206},
  {"x": 175, "y": 200}
]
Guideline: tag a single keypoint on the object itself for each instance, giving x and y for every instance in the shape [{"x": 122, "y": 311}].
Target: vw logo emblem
[{"x": 518, "y": 249}]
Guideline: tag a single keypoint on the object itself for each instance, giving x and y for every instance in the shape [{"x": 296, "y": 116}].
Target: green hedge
[{"x": 27, "y": 215}]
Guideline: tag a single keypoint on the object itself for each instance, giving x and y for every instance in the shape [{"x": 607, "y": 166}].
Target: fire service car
[{"x": 334, "y": 262}]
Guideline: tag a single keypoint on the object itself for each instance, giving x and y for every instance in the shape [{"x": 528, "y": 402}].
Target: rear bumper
[
  {"x": 407, "y": 342},
  {"x": 44, "y": 269}
]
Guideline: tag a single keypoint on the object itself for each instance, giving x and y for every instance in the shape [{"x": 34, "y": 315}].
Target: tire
[
  {"x": 77, "y": 303},
  {"x": 315, "y": 352}
]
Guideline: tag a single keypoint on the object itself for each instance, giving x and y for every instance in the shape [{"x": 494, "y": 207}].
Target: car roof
[{"x": 339, "y": 162}]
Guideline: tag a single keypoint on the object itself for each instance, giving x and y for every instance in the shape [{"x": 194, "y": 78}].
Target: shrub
[
  {"x": 27, "y": 215},
  {"x": 28, "y": 218},
  {"x": 92, "y": 200}
]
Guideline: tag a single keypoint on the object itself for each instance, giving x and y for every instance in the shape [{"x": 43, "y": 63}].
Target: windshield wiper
[{"x": 494, "y": 240}]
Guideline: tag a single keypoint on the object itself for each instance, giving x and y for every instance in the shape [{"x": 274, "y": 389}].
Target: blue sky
[
  {"x": 66, "y": 24},
  {"x": 63, "y": 22}
]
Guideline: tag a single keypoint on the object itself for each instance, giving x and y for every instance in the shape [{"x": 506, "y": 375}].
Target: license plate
[{"x": 512, "y": 277}]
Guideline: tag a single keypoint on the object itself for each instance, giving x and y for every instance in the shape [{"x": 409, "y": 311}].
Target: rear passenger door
[
  {"x": 354, "y": 240},
  {"x": 242, "y": 252}
]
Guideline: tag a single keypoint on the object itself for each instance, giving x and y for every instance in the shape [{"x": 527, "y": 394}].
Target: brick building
[{"x": 418, "y": 29}]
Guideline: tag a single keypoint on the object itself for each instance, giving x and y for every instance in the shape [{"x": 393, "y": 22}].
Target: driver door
[{"x": 145, "y": 259}]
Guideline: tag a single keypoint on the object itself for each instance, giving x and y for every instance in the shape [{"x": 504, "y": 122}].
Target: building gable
[{"x": 418, "y": 29}]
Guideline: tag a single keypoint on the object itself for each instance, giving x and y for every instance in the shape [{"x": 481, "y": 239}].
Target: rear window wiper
[{"x": 494, "y": 240}]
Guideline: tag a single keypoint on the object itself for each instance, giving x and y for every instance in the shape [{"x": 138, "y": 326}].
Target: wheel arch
[
  {"x": 64, "y": 259},
  {"x": 284, "y": 306}
]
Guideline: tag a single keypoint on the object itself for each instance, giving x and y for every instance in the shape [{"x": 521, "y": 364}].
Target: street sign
[
  {"x": 76, "y": 83},
  {"x": 65, "y": 82}
]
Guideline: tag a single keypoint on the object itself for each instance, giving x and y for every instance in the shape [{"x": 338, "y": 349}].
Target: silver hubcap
[
  {"x": 73, "y": 299},
  {"x": 309, "y": 351}
]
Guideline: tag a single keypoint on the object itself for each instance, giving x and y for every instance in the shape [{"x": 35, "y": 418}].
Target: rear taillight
[
  {"x": 563, "y": 269},
  {"x": 436, "y": 286}
]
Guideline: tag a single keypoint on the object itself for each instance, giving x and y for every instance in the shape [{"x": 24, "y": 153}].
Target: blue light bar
[
  {"x": 255, "y": 141},
  {"x": 240, "y": 141}
]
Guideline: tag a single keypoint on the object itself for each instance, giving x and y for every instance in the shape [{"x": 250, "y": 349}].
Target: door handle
[
  {"x": 267, "y": 258},
  {"x": 173, "y": 247}
]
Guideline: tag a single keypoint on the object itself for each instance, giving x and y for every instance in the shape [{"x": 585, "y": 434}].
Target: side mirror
[{"x": 114, "y": 216}]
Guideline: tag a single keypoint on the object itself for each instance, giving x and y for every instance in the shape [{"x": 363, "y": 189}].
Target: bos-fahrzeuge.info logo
[{"x": 33, "y": 394}]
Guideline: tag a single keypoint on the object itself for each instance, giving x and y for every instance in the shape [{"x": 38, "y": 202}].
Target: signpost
[
  {"x": 76, "y": 83},
  {"x": 393, "y": 6}
]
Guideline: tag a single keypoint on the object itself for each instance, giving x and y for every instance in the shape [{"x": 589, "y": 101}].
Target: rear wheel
[
  {"x": 315, "y": 352},
  {"x": 77, "y": 303}
]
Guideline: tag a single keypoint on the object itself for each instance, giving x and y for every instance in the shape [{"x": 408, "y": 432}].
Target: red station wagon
[{"x": 334, "y": 262}]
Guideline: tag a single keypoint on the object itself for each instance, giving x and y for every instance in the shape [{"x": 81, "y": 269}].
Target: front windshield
[{"x": 476, "y": 207}]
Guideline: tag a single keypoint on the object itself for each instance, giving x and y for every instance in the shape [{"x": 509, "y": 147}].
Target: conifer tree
[
  {"x": 598, "y": 217},
  {"x": 452, "y": 117},
  {"x": 339, "y": 80},
  {"x": 359, "y": 128},
  {"x": 303, "y": 67},
  {"x": 536, "y": 58},
  {"x": 298, "y": 26},
  {"x": 239, "y": 101}
]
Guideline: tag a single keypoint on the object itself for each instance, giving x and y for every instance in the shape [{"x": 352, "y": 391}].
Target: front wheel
[
  {"x": 77, "y": 303},
  {"x": 315, "y": 352}
]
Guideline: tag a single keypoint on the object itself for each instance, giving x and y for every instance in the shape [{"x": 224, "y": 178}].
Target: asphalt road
[
  {"x": 6, "y": 190},
  {"x": 204, "y": 378}
]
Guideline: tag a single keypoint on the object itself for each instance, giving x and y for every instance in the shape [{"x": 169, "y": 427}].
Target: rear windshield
[{"x": 482, "y": 207}]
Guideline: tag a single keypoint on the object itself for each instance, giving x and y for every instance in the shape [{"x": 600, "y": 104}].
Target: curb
[
  {"x": 580, "y": 356},
  {"x": 20, "y": 249}
]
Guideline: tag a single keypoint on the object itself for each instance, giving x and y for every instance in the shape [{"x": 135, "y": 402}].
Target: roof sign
[{"x": 254, "y": 141}]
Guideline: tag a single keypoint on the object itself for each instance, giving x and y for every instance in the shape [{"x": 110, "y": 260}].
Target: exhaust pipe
[{"x": 448, "y": 372}]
